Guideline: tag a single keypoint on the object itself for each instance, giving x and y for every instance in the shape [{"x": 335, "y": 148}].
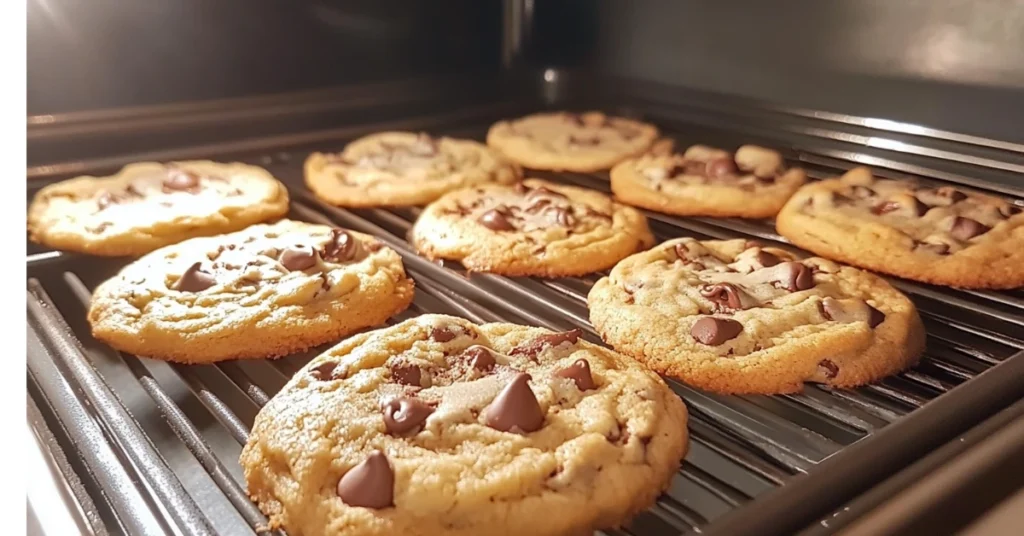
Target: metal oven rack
[{"x": 147, "y": 447}]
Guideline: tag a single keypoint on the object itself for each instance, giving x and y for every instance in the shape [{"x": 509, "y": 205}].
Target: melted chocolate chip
[
  {"x": 195, "y": 279},
  {"x": 541, "y": 191},
  {"x": 405, "y": 414},
  {"x": 966, "y": 228},
  {"x": 515, "y": 409},
  {"x": 938, "y": 249},
  {"x": 682, "y": 252},
  {"x": 324, "y": 371},
  {"x": 766, "y": 259},
  {"x": 534, "y": 347},
  {"x": 720, "y": 167},
  {"x": 875, "y": 317},
  {"x": 950, "y": 193},
  {"x": 442, "y": 334},
  {"x": 713, "y": 331},
  {"x": 830, "y": 368},
  {"x": 297, "y": 258},
  {"x": 1009, "y": 211},
  {"x": 181, "y": 180},
  {"x": 495, "y": 220},
  {"x": 725, "y": 296},
  {"x": 885, "y": 207},
  {"x": 341, "y": 247},
  {"x": 564, "y": 217},
  {"x": 579, "y": 373},
  {"x": 480, "y": 358},
  {"x": 795, "y": 277},
  {"x": 370, "y": 484},
  {"x": 407, "y": 374},
  {"x": 829, "y": 309},
  {"x": 919, "y": 208}
]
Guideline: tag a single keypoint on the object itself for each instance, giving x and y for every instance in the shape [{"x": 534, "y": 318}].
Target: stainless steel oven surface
[{"x": 130, "y": 445}]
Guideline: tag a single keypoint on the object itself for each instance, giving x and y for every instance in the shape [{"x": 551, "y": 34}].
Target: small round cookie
[
  {"x": 730, "y": 316},
  {"x": 533, "y": 228},
  {"x": 945, "y": 236},
  {"x": 402, "y": 169},
  {"x": 267, "y": 291},
  {"x": 149, "y": 205},
  {"x": 440, "y": 426},
  {"x": 563, "y": 141},
  {"x": 704, "y": 181}
]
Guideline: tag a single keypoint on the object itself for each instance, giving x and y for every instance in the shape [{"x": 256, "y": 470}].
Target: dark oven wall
[
  {"x": 114, "y": 53},
  {"x": 951, "y": 64}
]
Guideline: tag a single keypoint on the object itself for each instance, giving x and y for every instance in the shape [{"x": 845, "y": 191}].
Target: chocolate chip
[
  {"x": 324, "y": 371},
  {"x": 720, "y": 167},
  {"x": 495, "y": 220},
  {"x": 106, "y": 199},
  {"x": 405, "y": 414},
  {"x": 919, "y": 208},
  {"x": 407, "y": 374},
  {"x": 564, "y": 217},
  {"x": 341, "y": 247},
  {"x": 766, "y": 259},
  {"x": 371, "y": 484},
  {"x": 831, "y": 369},
  {"x": 966, "y": 228},
  {"x": 875, "y": 317},
  {"x": 862, "y": 192},
  {"x": 541, "y": 191},
  {"x": 682, "y": 252},
  {"x": 725, "y": 296},
  {"x": 181, "y": 180},
  {"x": 579, "y": 373},
  {"x": 515, "y": 409},
  {"x": 714, "y": 331},
  {"x": 938, "y": 249},
  {"x": 298, "y": 258},
  {"x": 1009, "y": 211},
  {"x": 591, "y": 141},
  {"x": 534, "y": 347},
  {"x": 195, "y": 279},
  {"x": 795, "y": 276},
  {"x": 480, "y": 358},
  {"x": 442, "y": 334},
  {"x": 885, "y": 207},
  {"x": 829, "y": 308},
  {"x": 950, "y": 193}
]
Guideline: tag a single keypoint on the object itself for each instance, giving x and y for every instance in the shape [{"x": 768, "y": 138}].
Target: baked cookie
[
  {"x": 703, "y": 181},
  {"x": 267, "y": 291},
  {"x": 564, "y": 141},
  {"x": 533, "y": 228},
  {"x": 403, "y": 168},
  {"x": 735, "y": 317},
  {"x": 440, "y": 426},
  {"x": 149, "y": 205},
  {"x": 946, "y": 236}
]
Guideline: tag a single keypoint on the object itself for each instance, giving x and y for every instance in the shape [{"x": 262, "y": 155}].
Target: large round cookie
[
  {"x": 440, "y": 426},
  {"x": 267, "y": 291},
  {"x": 150, "y": 205},
  {"x": 946, "y": 236},
  {"x": 735, "y": 317},
  {"x": 534, "y": 228},
  {"x": 703, "y": 181},
  {"x": 563, "y": 141},
  {"x": 403, "y": 168}
]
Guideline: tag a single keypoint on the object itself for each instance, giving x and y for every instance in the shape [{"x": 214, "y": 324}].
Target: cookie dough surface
[
  {"x": 267, "y": 291},
  {"x": 704, "y": 181},
  {"x": 149, "y": 205},
  {"x": 534, "y": 228},
  {"x": 562, "y": 141},
  {"x": 945, "y": 236},
  {"x": 735, "y": 317},
  {"x": 440, "y": 426},
  {"x": 403, "y": 168}
]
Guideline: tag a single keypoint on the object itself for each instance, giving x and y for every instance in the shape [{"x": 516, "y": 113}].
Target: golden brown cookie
[
  {"x": 561, "y": 141},
  {"x": 735, "y": 317},
  {"x": 267, "y": 291},
  {"x": 534, "y": 228},
  {"x": 440, "y": 426},
  {"x": 149, "y": 205},
  {"x": 704, "y": 181},
  {"x": 404, "y": 168},
  {"x": 945, "y": 236}
]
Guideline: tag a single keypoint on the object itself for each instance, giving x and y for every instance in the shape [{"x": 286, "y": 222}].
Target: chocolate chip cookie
[
  {"x": 945, "y": 236},
  {"x": 563, "y": 141},
  {"x": 440, "y": 426},
  {"x": 404, "y": 168},
  {"x": 752, "y": 183},
  {"x": 149, "y": 205},
  {"x": 736, "y": 317},
  {"x": 534, "y": 228},
  {"x": 267, "y": 291}
]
